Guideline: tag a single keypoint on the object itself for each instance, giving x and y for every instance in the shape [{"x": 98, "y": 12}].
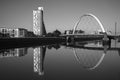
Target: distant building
[
  {"x": 68, "y": 32},
  {"x": 11, "y": 32},
  {"x": 76, "y": 32},
  {"x": 4, "y": 30},
  {"x": 97, "y": 32},
  {"x": 19, "y": 32}
]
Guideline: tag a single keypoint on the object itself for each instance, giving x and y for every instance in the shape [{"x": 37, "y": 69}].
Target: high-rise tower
[{"x": 38, "y": 22}]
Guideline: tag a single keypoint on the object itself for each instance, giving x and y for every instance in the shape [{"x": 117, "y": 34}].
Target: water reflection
[
  {"x": 17, "y": 52},
  {"x": 38, "y": 56},
  {"x": 88, "y": 60},
  {"x": 91, "y": 60}
]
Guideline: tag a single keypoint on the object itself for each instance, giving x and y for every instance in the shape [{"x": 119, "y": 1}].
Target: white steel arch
[{"x": 91, "y": 15}]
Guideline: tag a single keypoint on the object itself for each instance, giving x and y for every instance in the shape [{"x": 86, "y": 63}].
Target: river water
[{"x": 66, "y": 61}]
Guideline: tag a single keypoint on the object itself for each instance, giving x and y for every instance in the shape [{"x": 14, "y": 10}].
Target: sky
[{"x": 58, "y": 14}]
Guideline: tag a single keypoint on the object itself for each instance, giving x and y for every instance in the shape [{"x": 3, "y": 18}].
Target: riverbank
[{"x": 10, "y": 42}]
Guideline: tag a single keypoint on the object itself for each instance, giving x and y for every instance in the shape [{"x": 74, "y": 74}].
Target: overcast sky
[{"x": 58, "y": 14}]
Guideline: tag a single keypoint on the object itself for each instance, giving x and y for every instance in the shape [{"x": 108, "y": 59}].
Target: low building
[
  {"x": 68, "y": 32},
  {"x": 4, "y": 30},
  {"x": 19, "y": 32},
  {"x": 12, "y": 32},
  {"x": 76, "y": 32}
]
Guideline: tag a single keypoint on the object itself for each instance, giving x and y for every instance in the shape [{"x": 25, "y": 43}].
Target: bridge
[{"x": 104, "y": 36}]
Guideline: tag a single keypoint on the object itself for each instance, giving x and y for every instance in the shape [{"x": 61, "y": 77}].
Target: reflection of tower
[
  {"x": 38, "y": 23},
  {"x": 39, "y": 54}
]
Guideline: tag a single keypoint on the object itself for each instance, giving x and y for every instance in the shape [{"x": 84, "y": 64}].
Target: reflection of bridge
[
  {"x": 90, "y": 60},
  {"x": 93, "y": 48}
]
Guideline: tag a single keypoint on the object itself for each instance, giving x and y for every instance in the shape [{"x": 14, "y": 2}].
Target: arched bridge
[
  {"x": 91, "y": 15},
  {"x": 78, "y": 37}
]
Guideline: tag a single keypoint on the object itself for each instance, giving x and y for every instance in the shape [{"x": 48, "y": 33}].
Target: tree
[
  {"x": 56, "y": 33},
  {"x": 49, "y": 34},
  {"x": 81, "y": 31},
  {"x": 31, "y": 34}
]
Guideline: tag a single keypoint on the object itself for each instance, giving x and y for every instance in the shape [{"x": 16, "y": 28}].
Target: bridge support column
[
  {"x": 119, "y": 52},
  {"x": 119, "y": 39},
  {"x": 106, "y": 40},
  {"x": 70, "y": 40}
]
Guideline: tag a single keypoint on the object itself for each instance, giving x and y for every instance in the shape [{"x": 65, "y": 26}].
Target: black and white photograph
[{"x": 59, "y": 39}]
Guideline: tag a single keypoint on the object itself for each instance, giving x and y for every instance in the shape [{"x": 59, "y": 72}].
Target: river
[{"x": 65, "y": 61}]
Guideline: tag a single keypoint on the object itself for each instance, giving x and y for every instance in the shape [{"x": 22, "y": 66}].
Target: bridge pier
[
  {"x": 106, "y": 40},
  {"x": 119, "y": 52},
  {"x": 69, "y": 39},
  {"x": 119, "y": 39}
]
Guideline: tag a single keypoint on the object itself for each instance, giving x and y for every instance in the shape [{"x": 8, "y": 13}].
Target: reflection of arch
[
  {"x": 91, "y": 15},
  {"x": 89, "y": 67},
  {"x": 101, "y": 59}
]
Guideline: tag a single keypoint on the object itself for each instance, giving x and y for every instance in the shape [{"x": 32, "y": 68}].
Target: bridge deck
[{"x": 89, "y": 36}]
